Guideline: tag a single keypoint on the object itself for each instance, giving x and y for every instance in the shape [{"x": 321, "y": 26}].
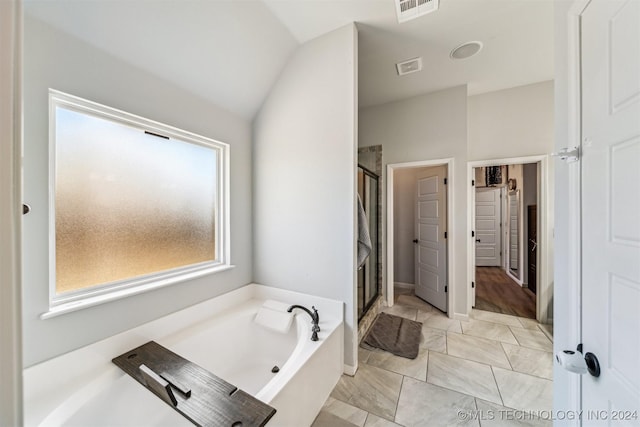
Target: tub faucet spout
[{"x": 315, "y": 319}]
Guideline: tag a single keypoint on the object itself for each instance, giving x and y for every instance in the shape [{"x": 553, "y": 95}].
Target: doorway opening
[
  {"x": 419, "y": 230},
  {"x": 509, "y": 260},
  {"x": 505, "y": 239}
]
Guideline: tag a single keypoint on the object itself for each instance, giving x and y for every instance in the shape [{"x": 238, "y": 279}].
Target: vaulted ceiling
[{"x": 231, "y": 52}]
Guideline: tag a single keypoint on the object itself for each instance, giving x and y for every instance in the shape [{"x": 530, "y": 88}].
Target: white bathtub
[{"x": 84, "y": 388}]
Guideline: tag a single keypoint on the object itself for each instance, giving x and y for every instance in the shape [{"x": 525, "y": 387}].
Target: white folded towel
[
  {"x": 364, "y": 238},
  {"x": 273, "y": 315}
]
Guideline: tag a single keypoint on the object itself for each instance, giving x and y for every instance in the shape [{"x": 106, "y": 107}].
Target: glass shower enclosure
[{"x": 369, "y": 275}]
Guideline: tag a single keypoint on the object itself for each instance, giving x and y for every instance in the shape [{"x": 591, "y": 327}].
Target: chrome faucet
[{"x": 315, "y": 319}]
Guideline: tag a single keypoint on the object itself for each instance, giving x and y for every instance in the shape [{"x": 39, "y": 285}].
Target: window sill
[{"x": 90, "y": 301}]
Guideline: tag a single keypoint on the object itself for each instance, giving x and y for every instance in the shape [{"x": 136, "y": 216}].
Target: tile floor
[{"x": 493, "y": 370}]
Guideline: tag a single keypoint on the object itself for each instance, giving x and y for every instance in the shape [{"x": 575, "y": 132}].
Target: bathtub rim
[{"x": 48, "y": 384}]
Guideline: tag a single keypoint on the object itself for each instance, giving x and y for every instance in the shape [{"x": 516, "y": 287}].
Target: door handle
[
  {"x": 575, "y": 361},
  {"x": 478, "y": 240},
  {"x": 415, "y": 240}
]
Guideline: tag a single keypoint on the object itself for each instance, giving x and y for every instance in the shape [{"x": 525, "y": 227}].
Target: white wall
[
  {"x": 56, "y": 60},
  {"x": 427, "y": 127},
  {"x": 305, "y": 176},
  {"x": 513, "y": 122}
]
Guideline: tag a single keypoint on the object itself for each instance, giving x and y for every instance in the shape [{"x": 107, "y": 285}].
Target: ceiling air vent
[
  {"x": 411, "y": 9},
  {"x": 409, "y": 66}
]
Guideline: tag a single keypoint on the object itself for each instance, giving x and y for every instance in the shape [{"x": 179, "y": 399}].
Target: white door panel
[
  {"x": 488, "y": 237},
  {"x": 486, "y": 210},
  {"x": 611, "y": 205},
  {"x": 428, "y": 256},
  {"x": 431, "y": 246}
]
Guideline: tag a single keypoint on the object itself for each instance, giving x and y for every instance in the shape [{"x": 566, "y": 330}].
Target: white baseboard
[
  {"x": 515, "y": 279},
  {"x": 460, "y": 316},
  {"x": 404, "y": 285},
  {"x": 350, "y": 370}
]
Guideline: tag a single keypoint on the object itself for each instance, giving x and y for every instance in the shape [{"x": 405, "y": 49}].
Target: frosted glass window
[{"x": 131, "y": 200}]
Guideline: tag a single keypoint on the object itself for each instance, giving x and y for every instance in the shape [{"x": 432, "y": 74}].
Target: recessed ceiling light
[
  {"x": 466, "y": 50},
  {"x": 409, "y": 66}
]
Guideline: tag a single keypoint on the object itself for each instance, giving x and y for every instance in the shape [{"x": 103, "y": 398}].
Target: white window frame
[{"x": 91, "y": 296}]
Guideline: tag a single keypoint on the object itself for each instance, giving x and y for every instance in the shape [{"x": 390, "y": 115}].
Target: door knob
[
  {"x": 415, "y": 240},
  {"x": 575, "y": 361}
]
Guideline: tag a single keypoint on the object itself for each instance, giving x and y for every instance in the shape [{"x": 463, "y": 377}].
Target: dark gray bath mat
[{"x": 396, "y": 335}]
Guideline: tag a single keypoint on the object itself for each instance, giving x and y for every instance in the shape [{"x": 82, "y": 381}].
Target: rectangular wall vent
[
  {"x": 411, "y": 9},
  {"x": 409, "y": 66}
]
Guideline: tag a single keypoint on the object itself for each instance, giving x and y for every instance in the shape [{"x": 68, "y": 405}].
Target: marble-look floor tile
[
  {"x": 424, "y": 315},
  {"x": 529, "y": 361},
  {"x": 489, "y": 330},
  {"x": 363, "y": 355},
  {"x": 402, "y": 311},
  {"x": 416, "y": 368},
  {"x": 528, "y": 323},
  {"x": 477, "y": 349},
  {"x": 547, "y": 330},
  {"x": 423, "y": 404},
  {"x": 433, "y": 339},
  {"x": 490, "y": 316},
  {"x": 403, "y": 290},
  {"x": 345, "y": 411},
  {"x": 525, "y": 392},
  {"x": 376, "y": 421},
  {"x": 532, "y": 339},
  {"x": 493, "y": 415},
  {"x": 327, "y": 419},
  {"x": 415, "y": 302},
  {"x": 440, "y": 320},
  {"x": 465, "y": 376},
  {"x": 372, "y": 389}
]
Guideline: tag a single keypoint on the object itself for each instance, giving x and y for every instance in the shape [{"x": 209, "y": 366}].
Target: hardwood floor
[{"x": 497, "y": 292}]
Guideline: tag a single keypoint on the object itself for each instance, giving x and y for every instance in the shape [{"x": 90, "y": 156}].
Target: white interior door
[
  {"x": 514, "y": 236},
  {"x": 431, "y": 244},
  {"x": 611, "y": 209},
  {"x": 488, "y": 238}
]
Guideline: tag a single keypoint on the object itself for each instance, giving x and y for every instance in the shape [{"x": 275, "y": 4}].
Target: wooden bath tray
[{"x": 200, "y": 396}]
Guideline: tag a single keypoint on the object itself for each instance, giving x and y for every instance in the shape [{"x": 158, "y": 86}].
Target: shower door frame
[{"x": 367, "y": 306}]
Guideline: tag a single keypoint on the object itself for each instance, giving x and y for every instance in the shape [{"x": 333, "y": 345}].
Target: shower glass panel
[{"x": 368, "y": 275}]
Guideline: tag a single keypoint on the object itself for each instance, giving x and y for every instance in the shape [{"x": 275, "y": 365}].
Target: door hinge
[
  {"x": 568, "y": 155},
  {"x": 446, "y": 288},
  {"x": 445, "y": 234},
  {"x": 445, "y": 181},
  {"x": 473, "y": 234},
  {"x": 473, "y": 284},
  {"x": 473, "y": 182}
]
